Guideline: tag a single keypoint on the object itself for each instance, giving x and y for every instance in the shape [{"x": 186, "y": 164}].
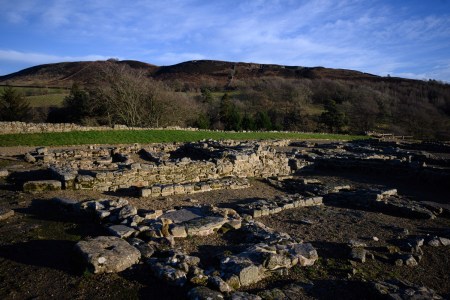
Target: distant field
[
  {"x": 151, "y": 136},
  {"x": 47, "y": 100},
  {"x": 39, "y": 97}
]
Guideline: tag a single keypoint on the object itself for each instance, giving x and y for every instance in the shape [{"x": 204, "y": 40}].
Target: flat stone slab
[
  {"x": 108, "y": 254},
  {"x": 204, "y": 226},
  {"x": 42, "y": 186},
  {"x": 184, "y": 215},
  {"x": 121, "y": 231},
  {"x": 5, "y": 213}
]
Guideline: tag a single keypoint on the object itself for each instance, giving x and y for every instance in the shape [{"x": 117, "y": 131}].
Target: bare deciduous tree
[{"x": 129, "y": 96}]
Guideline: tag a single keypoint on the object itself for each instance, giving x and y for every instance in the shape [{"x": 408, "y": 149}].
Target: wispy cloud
[
  {"x": 40, "y": 58},
  {"x": 376, "y": 36}
]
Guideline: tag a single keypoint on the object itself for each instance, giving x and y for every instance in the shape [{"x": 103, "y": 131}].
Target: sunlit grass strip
[{"x": 152, "y": 136}]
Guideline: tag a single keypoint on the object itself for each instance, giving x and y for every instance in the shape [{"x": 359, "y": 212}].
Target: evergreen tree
[
  {"x": 248, "y": 123},
  {"x": 332, "y": 117},
  {"x": 78, "y": 104},
  {"x": 207, "y": 96},
  {"x": 13, "y": 106},
  {"x": 262, "y": 121},
  {"x": 202, "y": 122}
]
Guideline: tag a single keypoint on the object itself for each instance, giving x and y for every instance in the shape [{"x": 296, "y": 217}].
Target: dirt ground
[{"x": 37, "y": 260}]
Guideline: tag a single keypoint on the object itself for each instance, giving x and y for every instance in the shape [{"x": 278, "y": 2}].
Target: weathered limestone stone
[
  {"x": 42, "y": 150},
  {"x": 219, "y": 284},
  {"x": 178, "y": 231},
  {"x": 146, "y": 249},
  {"x": 41, "y": 186},
  {"x": 277, "y": 260},
  {"x": 306, "y": 253},
  {"x": 172, "y": 275},
  {"x": 272, "y": 294},
  {"x": 4, "y": 173},
  {"x": 108, "y": 254},
  {"x": 183, "y": 215},
  {"x": 232, "y": 280},
  {"x": 127, "y": 211},
  {"x": 242, "y": 267},
  {"x": 444, "y": 241},
  {"x": 204, "y": 226},
  {"x": 358, "y": 254},
  {"x": 5, "y": 213},
  {"x": 435, "y": 242},
  {"x": 150, "y": 214},
  {"x": 84, "y": 182},
  {"x": 395, "y": 289},
  {"x": 29, "y": 158},
  {"x": 204, "y": 293},
  {"x": 146, "y": 192},
  {"x": 244, "y": 296},
  {"x": 121, "y": 231},
  {"x": 411, "y": 261}
]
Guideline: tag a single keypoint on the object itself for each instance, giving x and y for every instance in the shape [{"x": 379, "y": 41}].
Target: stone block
[
  {"x": 121, "y": 231},
  {"x": 178, "y": 189},
  {"x": 178, "y": 231},
  {"x": 204, "y": 293},
  {"x": 306, "y": 254},
  {"x": 146, "y": 192},
  {"x": 108, "y": 254},
  {"x": 167, "y": 190},
  {"x": 42, "y": 186},
  {"x": 247, "y": 272},
  {"x": 204, "y": 226},
  {"x": 5, "y": 213}
]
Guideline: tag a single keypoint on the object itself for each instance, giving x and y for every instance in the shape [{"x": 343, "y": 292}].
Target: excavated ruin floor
[{"x": 37, "y": 259}]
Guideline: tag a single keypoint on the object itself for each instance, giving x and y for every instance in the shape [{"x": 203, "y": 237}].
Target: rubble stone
[
  {"x": 5, "y": 213},
  {"x": 204, "y": 293}
]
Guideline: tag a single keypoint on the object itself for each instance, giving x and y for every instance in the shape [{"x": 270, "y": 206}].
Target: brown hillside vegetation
[{"x": 243, "y": 96}]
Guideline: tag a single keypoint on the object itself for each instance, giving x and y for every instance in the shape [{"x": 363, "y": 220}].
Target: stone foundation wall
[{"x": 94, "y": 169}]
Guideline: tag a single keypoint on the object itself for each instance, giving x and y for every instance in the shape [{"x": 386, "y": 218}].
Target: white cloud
[
  {"x": 171, "y": 58},
  {"x": 41, "y": 58},
  {"x": 372, "y": 36}
]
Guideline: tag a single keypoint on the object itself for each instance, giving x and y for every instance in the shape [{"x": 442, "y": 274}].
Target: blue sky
[{"x": 405, "y": 38}]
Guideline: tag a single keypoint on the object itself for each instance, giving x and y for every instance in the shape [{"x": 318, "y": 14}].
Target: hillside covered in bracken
[{"x": 238, "y": 96}]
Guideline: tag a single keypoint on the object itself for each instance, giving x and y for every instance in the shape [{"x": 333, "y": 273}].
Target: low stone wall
[
  {"x": 23, "y": 127},
  {"x": 263, "y": 164},
  {"x": 162, "y": 190},
  {"x": 113, "y": 168}
]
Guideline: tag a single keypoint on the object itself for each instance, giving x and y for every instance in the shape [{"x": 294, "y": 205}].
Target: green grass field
[
  {"x": 42, "y": 97},
  {"x": 47, "y": 100},
  {"x": 151, "y": 136}
]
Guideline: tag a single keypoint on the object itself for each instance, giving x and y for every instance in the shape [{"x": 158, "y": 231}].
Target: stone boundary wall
[{"x": 23, "y": 127}]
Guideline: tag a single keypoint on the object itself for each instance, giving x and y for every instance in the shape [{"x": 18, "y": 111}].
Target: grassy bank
[{"x": 151, "y": 136}]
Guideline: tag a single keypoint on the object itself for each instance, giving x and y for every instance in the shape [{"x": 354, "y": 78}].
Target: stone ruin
[
  {"x": 150, "y": 237},
  {"x": 163, "y": 170}
]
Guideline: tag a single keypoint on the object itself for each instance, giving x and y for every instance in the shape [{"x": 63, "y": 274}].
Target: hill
[
  {"x": 66, "y": 73},
  {"x": 63, "y": 74}
]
